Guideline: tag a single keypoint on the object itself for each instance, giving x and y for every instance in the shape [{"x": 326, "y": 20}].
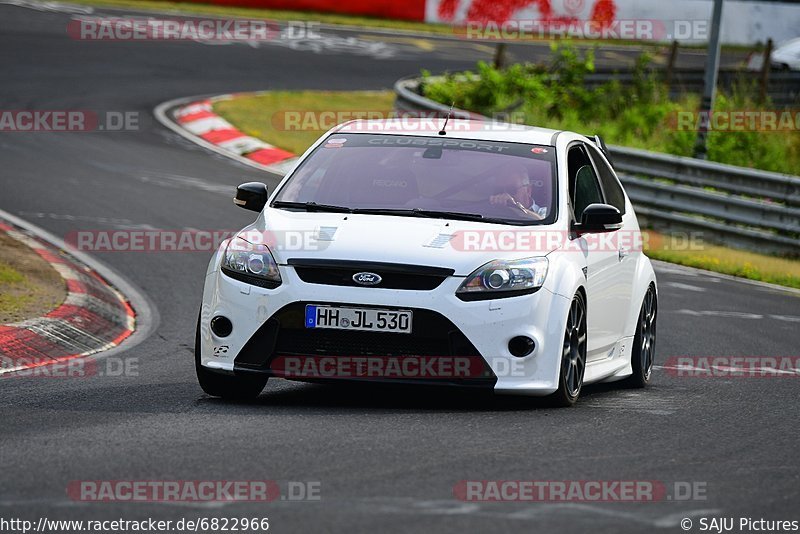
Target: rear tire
[
  {"x": 573, "y": 355},
  {"x": 225, "y": 386},
  {"x": 643, "y": 353}
]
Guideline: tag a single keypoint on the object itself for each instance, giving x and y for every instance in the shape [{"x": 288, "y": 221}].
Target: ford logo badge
[{"x": 367, "y": 279}]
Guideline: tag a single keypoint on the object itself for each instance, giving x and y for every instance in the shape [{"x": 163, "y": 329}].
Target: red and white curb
[
  {"x": 94, "y": 317},
  {"x": 199, "y": 123}
]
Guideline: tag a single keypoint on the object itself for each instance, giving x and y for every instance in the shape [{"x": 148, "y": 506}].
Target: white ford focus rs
[{"x": 505, "y": 258}]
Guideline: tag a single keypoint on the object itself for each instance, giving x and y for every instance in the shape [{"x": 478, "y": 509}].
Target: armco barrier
[
  {"x": 732, "y": 205},
  {"x": 783, "y": 88}
]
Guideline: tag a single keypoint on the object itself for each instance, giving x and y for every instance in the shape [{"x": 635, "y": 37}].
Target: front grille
[
  {"x": 284, "y": 334},
  {"x": 394, "y": 276},
  {"x": 432, "y": 335}
]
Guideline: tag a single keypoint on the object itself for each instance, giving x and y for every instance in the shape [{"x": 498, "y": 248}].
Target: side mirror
[
  {"x": 598, "y": 219},
  {"x": 251, "y": 196}
]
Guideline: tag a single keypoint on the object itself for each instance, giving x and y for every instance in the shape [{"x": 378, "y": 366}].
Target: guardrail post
[
  {"x": 673, "y": 58},
  {"x": 500, "y": 56},
  {"x": 710, "y": 85},
  {"x": 765, "y": 68}
]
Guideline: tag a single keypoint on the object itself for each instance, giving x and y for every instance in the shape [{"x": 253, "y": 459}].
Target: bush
[{"x": 639, "y": 115}]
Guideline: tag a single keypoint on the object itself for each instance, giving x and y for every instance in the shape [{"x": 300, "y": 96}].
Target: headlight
[
  {"x": 499, "y": 279},
  {"x": 251, "y": 263}
]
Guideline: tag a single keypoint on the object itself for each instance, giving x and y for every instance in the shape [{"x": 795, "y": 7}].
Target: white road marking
[
  {"x": 728, "y": 371},
  {"x": 530, "y": 510},
  {"x": 445, "y": 507},
  {"x": 321, "y": 44},
  {"x": 317, "y": 43},
  {"x": 137, "y": 227},
  {"x": 176, "y": 181},
  {"x": 716, "y": 313},
  {"x": 69, "y": 217},
  {"x": 633, "y": 401},
  {"x": 687, "y": 287},
  {"x": 69, "y": 503},
  {"x": 50, "y": 7},
  {"x": 670, "y": 268},
  {"x": 787, "y": 318},
  {"x": 738, "y": 315}
]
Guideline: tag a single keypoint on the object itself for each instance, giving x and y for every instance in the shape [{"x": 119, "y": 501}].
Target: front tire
[
  {"x": 573, "y": 355},
  {"x": 644, "y": 342},
  {"x": 225, "y": 386}
]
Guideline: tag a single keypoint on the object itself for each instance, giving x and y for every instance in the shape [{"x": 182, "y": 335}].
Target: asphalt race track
[{"x": 386, "y": 459}]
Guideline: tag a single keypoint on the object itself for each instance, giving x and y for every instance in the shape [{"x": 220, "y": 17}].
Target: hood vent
[
  {"x": 440, "y": 241},
  {"x": 326, "y": 233}
]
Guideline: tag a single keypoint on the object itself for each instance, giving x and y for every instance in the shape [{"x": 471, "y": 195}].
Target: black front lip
[
  {"x": 473, "y": 383},
  {"x": 284, "y": 335}
]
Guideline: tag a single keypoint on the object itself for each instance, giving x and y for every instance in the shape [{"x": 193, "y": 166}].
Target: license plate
[{"x": 368, "y": 319}]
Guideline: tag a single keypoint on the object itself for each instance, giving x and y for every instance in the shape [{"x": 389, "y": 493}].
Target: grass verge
[
  {"x": 29, "y": 286},
  {"x": 293, "y": 120},
  {"x": 256, "y": 116},
  {"x": 741, "y": 263}
]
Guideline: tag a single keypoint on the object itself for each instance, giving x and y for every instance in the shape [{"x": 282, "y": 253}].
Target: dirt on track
[{"x": 29, "y": 286}]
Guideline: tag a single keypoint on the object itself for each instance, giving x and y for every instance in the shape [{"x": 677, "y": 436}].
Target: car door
[
  {"x": 627, "y": 242},
  {"x": 603, "y": 315}
]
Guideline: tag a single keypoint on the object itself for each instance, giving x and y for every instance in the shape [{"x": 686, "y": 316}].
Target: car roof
[
  {"x": 791, "y": 44},
  {"x": 479, "y": 130}
]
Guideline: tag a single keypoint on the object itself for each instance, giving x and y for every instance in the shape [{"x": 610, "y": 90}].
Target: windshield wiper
[
  {"x": 311, "y": 206},
  {"x": 419, "y": 212},
  {"x": 402, "y": 212}
]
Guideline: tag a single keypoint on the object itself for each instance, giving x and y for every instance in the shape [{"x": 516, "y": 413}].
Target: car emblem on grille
[{"x": 367, "y": 279}]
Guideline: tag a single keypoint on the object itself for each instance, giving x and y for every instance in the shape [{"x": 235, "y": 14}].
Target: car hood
[
  {"x": 789, "y": 57},
  {"x": 460, "y": 245}
]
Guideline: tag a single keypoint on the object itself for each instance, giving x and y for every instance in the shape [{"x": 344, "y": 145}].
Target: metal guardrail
[
  {"x": 783, "y": 88},
  {"x": 732, "y": 205}
]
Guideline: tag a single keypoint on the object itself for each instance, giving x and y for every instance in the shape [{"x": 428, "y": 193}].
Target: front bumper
[{"x": 265, "y": 324}]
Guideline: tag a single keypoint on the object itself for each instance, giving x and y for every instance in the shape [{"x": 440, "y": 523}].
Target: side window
[
  {"x": 583, "y": 186},
  {"x": 611, "y": 187}
]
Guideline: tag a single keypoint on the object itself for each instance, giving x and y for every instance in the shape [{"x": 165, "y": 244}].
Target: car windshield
[{"x": 426, "y": 176}]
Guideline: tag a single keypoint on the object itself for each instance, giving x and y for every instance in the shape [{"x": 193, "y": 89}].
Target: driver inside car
[{"x": 514, "y": 190}]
